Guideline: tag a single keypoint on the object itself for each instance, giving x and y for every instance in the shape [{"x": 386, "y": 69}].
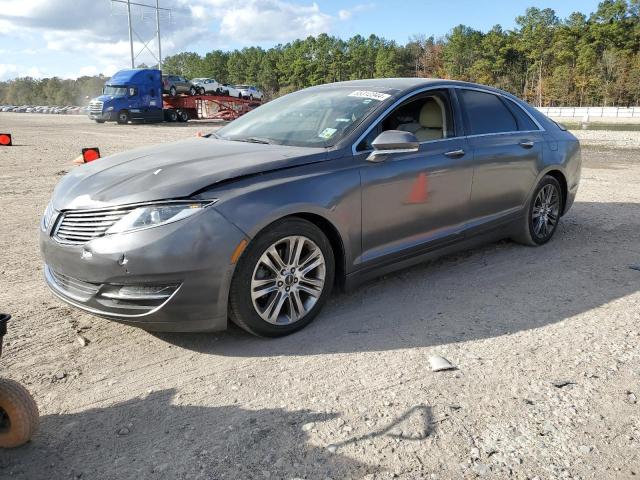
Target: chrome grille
[
  {"x": 95, "y": 107},
  {"x": 81, "y": 226},
  {"x": 73, "y": 287}
]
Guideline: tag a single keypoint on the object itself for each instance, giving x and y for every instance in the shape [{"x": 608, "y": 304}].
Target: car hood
[{"x": 169, "y": 171}]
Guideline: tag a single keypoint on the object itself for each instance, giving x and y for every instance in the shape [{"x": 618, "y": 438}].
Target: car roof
[{"x": 398, "y": 86}]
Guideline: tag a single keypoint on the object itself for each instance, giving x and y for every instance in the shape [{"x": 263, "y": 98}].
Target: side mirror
[{"x": 393, "y": 141}]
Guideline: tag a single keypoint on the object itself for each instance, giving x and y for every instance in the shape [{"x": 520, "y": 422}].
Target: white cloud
[
  {"x": 96, "y": 30},
  {"x": 347, "y": 14},
  {"x": 272, "y": 20},
  {"x": 10, "y": 70}
]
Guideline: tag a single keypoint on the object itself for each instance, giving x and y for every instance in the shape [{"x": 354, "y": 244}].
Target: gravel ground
[{"x": 545, "y": 342}]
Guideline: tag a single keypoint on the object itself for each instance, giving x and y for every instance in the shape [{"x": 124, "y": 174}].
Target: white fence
[{"x": 593, "y": 112}]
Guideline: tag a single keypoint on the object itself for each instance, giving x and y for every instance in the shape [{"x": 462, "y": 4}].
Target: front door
[{"x": 415, "y": 201}]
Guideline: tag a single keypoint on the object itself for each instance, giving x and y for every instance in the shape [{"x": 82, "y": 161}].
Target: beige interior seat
[{"x": 431, "y": 122}]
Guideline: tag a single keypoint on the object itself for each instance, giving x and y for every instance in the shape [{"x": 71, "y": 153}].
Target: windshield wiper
[{"x": 265, "y": 141}]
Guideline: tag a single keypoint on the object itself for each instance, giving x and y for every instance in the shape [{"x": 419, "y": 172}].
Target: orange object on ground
[
  {"x": 5, "y": 139},
  {"x": 90, "y": 154}
]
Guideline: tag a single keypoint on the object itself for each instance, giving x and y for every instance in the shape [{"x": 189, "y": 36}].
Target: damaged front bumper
[{"x": 173, "y": 277}]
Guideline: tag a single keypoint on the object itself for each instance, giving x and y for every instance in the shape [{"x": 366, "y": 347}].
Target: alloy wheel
[
  {"x": 546, "y": 211},
  {"x": 288, "y": 280}
]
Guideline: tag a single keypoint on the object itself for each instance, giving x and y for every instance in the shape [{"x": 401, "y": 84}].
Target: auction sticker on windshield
[{"x": 369, "y": 94}]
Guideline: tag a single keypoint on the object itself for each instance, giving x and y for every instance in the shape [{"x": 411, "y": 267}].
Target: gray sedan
[{"x": 328, "y": 186}]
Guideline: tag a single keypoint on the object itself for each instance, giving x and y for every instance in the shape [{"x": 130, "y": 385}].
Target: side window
[
  {"x": 428, "y": 116},
  {"x": 486, "y": 113},
  {"x": 524, "y": 121}
]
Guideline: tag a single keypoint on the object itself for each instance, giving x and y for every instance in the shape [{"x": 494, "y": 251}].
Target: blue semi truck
[{"x": 136, "y": 96}]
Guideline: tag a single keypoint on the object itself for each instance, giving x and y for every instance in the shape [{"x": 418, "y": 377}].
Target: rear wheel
[
  {"x": 192, "y": 91},
  {"x": 182, "y": 116},
  {"x": 18, "y": 414},
  {"x": 173, "y": 91},
  {"x": 170, "y": 115},
  {"x": 542, "y": 213},
  {"x": 202, "y": 91},
  {"x": 283, "y": 279}
]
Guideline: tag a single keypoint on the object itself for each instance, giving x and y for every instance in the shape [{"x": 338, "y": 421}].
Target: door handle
[
  {"x": 527, "y": 144},
  {"x": 455, "y": 153}
]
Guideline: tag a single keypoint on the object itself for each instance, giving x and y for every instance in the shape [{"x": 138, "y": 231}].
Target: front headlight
[
  {"x": 46, "y": 218},
  {"x": 149, "y": 216},
  {"x": 109, "y": 109}
]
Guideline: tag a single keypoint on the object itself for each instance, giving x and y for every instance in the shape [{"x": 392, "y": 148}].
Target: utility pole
[
  {"x": 158, "y": 33},
  {"x": 132, "y": 32}
]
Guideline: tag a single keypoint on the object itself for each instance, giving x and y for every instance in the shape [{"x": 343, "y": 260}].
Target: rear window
[
  {"x": 485, "y": 113},
  {"x": 524, "y": 121}
]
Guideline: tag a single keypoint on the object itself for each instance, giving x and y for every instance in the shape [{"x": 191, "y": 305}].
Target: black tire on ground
[
  {"x": 100, "y": 121},
  {"x": 123, "y": 117},
  {"x": 173, "y": 91},
  {"x": 530, "y": 231},
  {"x": 182, "y": 116},
  {"x": 170, "y": 115},
  {"x": 241, "y": 309},
  {"x": 19, "y": 416}
]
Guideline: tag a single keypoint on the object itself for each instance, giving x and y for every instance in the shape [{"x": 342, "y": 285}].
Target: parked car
[
  {"x": 175, "y": 84},
  {"x": 333, "y": 184},
  {"x": 249, "y": 92},
  {"x": 231, "y": 91},
  {"x": 207, "y": 85}
]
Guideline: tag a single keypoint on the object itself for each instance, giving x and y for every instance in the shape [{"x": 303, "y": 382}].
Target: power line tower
[{"x": 132, "y": 32}]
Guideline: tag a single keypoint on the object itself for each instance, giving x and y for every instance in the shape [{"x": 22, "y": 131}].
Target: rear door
[{"x": 507, "y": 150}]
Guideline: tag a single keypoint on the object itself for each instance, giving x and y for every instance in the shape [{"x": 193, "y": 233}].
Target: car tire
[
  {"x": 192, "y": 91},
  {"x": 20, "y": 413},
  {"x": 292, "y": 290},
  {"x": 123, "y": 117},
  {"x": 100, "y": 121},
  {"x": 173, "y": 91},
  {"x": 542, "y": 214}
]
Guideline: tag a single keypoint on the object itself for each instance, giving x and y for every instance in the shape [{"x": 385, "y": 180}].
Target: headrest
[{"x": 431, "y": 115}]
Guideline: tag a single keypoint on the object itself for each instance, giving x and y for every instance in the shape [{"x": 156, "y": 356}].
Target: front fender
[{"x": 330, "y": 190}]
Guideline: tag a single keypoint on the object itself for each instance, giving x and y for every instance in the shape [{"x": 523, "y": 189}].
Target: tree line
[{"x": 581, "y": 60}]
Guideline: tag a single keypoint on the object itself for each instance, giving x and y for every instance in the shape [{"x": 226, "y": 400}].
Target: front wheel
[
  {"x": 542, "y": 213},
  {"x": 173, "y": 91},
  {"x": 123, "y": 117},
  {"x": 18, "y": 414},
  {"x": 283, "y": 279},
  {"x": 192, "y": 91}
]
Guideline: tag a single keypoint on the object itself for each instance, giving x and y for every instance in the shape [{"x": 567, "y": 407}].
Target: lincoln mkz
[{"x": 325, "y": 187}]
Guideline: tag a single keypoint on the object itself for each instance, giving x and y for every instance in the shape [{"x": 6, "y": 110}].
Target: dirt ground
[{"x": 545, "y": 341}]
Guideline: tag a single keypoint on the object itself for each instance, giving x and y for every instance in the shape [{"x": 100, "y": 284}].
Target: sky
[{"x": 71, "y": 38}]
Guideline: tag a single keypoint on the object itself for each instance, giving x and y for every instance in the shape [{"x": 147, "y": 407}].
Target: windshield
[
  {"x": 309, "y": 118},
  {"x": 114, "y": 91},
  {"x": 198, "y": 80}
]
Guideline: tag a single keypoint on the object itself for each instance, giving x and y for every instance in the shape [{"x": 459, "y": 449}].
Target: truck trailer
[{"x": 136, "y": 96}]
